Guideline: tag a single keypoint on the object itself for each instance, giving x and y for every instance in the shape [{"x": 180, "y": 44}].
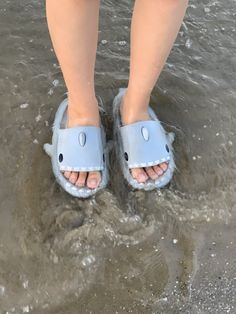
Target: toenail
[
  {"x": 93, "y": 182},
  {"x": 160, "y": 172},
  {"x": 142, "y": 177}
]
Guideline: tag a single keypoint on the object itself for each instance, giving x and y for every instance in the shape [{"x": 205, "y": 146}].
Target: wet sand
[{"x": 123, "y": 251}]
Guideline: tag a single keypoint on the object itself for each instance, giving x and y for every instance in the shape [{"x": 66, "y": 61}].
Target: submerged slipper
[
  {"x": 142, "y": 144},
  {"x": 81, "y": 148}
]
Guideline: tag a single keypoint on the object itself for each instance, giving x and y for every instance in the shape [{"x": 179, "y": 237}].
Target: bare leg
[
  {"x": 73, "y": 26},
  {"x": 155, "y": 25}
]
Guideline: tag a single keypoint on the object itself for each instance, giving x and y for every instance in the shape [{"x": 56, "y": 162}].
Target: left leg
[{"x": 154, "y": 28}]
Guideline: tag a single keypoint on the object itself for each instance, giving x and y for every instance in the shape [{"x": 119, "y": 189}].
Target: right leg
[
  {"x": 73, "y": 27},
  {"x": 155, "y": 25}
]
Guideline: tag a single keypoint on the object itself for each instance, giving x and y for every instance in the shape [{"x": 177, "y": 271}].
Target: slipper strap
[
  {"x": 80, "y": 149},
  {"x": 145, "y": 144}
]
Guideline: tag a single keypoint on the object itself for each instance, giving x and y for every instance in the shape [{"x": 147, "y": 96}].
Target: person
[{"x": 73, "y": 27}]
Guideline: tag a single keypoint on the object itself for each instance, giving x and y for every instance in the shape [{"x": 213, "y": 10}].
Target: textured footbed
[
  {"x": 149, "y": 184},
  {"x": 51, "y": 150}
]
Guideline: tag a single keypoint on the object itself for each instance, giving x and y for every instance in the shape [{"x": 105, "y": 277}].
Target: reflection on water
[{"x": 124, "y": 251}]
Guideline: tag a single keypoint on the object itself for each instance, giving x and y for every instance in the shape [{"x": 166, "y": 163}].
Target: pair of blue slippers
[{"x": 84, "y": 148}]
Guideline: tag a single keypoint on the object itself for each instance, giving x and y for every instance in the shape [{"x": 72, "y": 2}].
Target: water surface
[{"x": 123, "y": 251}]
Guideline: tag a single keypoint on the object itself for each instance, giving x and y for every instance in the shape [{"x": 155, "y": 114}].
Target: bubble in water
[
  {"x": 188, "y": 43},
  {"x": 38, "y": 118},
  {"x": 55, "y": 83},
  {"x": 25, "y": 284},
  {"x": 50, "y": 92},
  {"x": 122, "y": 43},
  {"x": 104, "y": 42},
  {"x": 24, "y": 106},
  {"x": 88, "y": 260},
  {"x": 2, "y": 291},
  {"x": 25, "y": 309}
]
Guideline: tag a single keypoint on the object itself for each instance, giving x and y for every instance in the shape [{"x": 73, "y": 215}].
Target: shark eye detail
[
  {"x": 126, "y": 156},
  {"x": 167, "y": 148},
  {"x": 60, "y": 158}
]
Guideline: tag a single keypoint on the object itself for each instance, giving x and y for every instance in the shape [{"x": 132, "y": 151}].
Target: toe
[
  {"x": 81, "y": 179},
  {"x": 67, "y": 174},
  {"x": 73, "y": 177},
  {"x": 158, "y": 170},
  {"x": 164, "y": 166},
  {"x": 151, "y": 173},
  {"x": 94, "y": 179},
  {"x": 139, "y": 174}
]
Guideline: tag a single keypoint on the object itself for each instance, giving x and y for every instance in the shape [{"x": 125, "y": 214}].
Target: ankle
[
  {"x": 138, "y": 96},
  {"x": 83, "y": 113},
  {"x": 134, "y": 109}
]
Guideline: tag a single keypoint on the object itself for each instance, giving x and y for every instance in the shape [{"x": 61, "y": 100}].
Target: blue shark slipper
[
  {"x": 142, "y": 144},
  {"x": 81, "y": 148}
]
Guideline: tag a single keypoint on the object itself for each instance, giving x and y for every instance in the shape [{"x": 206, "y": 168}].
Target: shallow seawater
[{"x": 123, "y": 251}]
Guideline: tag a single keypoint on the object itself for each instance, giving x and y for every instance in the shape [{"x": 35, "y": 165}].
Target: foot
[
  {"x": 129, "y": 115},
  {"x": 80, "y": 179}
]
